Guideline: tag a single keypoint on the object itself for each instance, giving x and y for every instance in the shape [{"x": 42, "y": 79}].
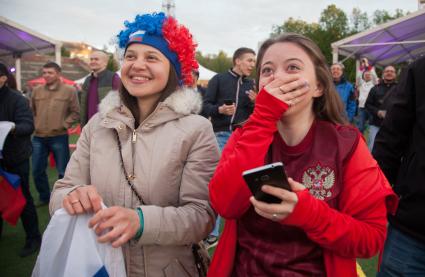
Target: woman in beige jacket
[{"x": 169, "y": 155}]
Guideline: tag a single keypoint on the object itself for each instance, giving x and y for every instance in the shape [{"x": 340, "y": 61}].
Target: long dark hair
[
  {"x": 131, "y": 102},
  {"x": 326, "y": 107}
]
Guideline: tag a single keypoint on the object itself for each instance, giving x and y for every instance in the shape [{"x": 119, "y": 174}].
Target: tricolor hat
[{"x": 164, "y": 33}]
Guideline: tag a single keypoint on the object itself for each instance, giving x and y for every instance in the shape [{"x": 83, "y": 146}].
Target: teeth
[{"x": 139, "y": 78}]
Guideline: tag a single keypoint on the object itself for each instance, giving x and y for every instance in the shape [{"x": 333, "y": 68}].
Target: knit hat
[{"x": 164, "y": 33}]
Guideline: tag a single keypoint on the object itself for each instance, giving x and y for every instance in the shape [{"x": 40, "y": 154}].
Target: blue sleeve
[{"x": 351, "y": 103}]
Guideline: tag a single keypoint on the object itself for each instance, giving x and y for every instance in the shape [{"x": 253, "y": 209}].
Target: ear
[{"x": 318, "y": 91}]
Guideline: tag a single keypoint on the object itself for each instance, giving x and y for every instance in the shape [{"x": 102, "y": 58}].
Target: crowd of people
[{"x": 166, "y": 157}]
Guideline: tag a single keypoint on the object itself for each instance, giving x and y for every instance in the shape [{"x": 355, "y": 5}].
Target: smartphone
[
  {"x": 228, "y": 102},
  {"x": 270, "y": 174}
]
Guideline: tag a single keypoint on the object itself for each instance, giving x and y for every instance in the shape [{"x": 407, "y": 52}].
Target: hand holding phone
[
  {"x": 228, "y": 102},
  {"x": 270, "y": 174}
]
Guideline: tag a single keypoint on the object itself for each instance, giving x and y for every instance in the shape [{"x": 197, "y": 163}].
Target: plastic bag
[{"x": 69, "y": 248}]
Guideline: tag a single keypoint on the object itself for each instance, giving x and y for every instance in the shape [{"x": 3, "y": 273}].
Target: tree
[
  {"x": 334, "y": 21},
  {"x": 382, "y": 16},
  {"x": 295, "y": 26},
  {"x": 112, "y": 63},
  {"x": 359, "y": 21},
  {"x": 218, "y": 63}
]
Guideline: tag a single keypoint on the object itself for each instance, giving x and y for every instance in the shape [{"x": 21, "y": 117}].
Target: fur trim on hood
[{"x": 183, "y": 101}]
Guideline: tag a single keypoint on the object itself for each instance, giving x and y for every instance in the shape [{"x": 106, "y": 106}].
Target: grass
[{"x": 13, "y": 238}]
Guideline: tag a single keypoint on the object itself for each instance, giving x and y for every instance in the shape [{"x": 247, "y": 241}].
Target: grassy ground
[{"x": 12, "y": 240}]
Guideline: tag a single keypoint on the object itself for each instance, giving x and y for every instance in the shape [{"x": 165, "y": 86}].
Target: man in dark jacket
[
  {"x": 16, "y": 152},
  {"x": 97, "y": 85},
  {"x": 376, "y": 102},
  {"x": 400, "y": 151},
  {"x": 229, "y": 100}
]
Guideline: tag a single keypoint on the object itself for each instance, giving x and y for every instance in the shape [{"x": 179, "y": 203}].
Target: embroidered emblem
[{"x": 319, "y": 181}]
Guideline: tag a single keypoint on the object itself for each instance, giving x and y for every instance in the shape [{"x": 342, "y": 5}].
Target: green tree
[
  {"x": 65, "y": 52},
  {"x": 216, "y": 62},
  {"x": 382, "y": 16},
  {"x": 359, "y": 21},
  {"x": 334, "y": 21},
  {"x": 112, "y": 63}
]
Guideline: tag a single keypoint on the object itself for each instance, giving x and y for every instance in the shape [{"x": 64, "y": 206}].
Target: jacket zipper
[
  {"x": 237, "y": 101},
  {"x": 134, "y": 136}
]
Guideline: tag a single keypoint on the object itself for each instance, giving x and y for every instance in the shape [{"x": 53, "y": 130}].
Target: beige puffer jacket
[{"x": 173, "y": 155}]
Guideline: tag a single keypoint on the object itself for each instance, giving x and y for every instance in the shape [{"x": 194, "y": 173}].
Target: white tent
[
  {"x": 16, "y": 40},
  {"x": 205, "y": 74}
]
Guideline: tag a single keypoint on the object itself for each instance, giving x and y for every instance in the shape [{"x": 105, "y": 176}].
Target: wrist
[{"x": 141, "y": 221}]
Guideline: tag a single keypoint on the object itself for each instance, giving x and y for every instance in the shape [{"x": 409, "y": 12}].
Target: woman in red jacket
[{"x": 337, "y": 209}]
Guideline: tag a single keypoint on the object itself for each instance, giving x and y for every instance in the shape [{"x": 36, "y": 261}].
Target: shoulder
[
  {"x": 345, "y": 138},
  {"x": 37, "y": 89},
  {"x": 68, "y": 88},
  {"x": 185, "y": 101}
]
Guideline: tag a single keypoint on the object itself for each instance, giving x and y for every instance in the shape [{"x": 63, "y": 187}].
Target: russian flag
[{"x": 12, "y": 201}]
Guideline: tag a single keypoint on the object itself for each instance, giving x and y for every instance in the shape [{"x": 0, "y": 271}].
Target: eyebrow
[{"x": 287, "y": 60}]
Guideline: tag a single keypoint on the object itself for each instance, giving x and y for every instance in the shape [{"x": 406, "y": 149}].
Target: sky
[{"x": 216, "y": 25}]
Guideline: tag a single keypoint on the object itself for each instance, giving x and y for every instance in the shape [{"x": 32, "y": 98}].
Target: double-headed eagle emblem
[{"x": 319, "y": 181}]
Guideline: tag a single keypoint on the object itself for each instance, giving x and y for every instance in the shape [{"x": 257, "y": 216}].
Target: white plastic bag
[{"x": 69, "y": 248}]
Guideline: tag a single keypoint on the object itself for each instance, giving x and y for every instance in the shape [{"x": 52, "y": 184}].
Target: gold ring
[{"x": 74, "y": 202}]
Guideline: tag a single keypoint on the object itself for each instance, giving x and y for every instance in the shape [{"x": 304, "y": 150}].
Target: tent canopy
[
  {"x": 16, "y": 39},
  {"x": 397, "y": 41},
  {"x": 205, "y": 74}
]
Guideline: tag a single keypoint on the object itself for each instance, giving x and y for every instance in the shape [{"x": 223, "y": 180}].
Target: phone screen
[{"x": 271, "y": 174}]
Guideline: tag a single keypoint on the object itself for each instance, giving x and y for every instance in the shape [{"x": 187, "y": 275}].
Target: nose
[{"x": 139, "y": 64}]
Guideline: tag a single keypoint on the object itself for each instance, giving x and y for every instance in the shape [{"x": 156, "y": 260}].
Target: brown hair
[
  {"x": 240, "y": 52},
  {"x": 328, "y": 106},
  {"x": 53, "y": 65},
  {"x": 130, "y": 101}
]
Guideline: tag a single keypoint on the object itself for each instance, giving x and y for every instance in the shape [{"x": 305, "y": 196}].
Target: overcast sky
[{"x": 216, "y": 24}]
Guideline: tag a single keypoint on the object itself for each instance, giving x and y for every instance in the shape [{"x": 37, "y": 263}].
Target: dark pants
[
  {"x": 403, "y": 255},
  {"x": 29, "y": 214},
  {"x": 42, "y": 146}
]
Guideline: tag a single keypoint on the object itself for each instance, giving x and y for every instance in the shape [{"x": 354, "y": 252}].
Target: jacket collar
[
  {"x": 180, "y": 103},
  {"x": 98, "y": 75}
]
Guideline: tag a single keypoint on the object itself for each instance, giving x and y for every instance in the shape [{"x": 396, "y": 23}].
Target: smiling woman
[
  {"x": 336, "y": 209},
  {"x": 147, "y": 155}
]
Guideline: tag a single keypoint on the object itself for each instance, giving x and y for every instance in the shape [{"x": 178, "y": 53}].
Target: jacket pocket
[{"x": 176, "y": 269}]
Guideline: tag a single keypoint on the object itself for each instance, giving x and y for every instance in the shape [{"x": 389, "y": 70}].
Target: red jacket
[{"x": 358, "y": 229}]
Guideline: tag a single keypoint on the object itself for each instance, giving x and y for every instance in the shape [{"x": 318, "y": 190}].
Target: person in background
[
  {"x": 365, "y": 85},
  {"x": 363, "y": 67},
  {"x": 199, "y": 88},
  {"x": 337, "y": 208},
  {"x": 97, "y": 85},
  {"x": 229, "y": 101},
  {"x": 345, "y": 90},
  {"x": 147, "y": 155},
  {"x": 55, "y": 108},
  {"x": 399, "y": 150},
  {"x": 16, "y": 152},
  {"x": 376, "y": 102}
]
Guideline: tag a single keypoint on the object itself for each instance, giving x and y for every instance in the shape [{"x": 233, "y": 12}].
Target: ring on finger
[{"x": 274, "y": 216}]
